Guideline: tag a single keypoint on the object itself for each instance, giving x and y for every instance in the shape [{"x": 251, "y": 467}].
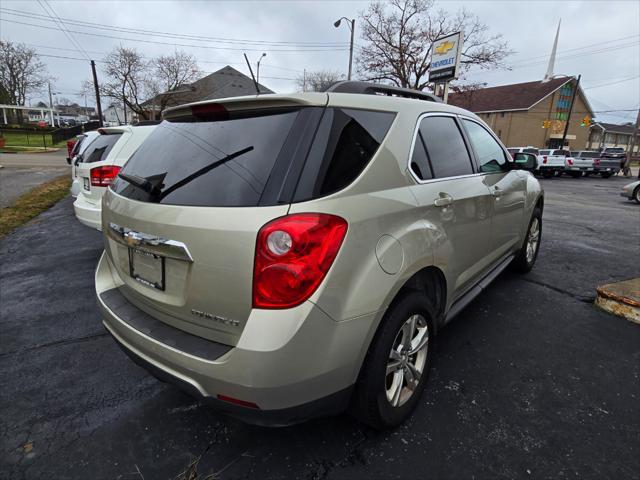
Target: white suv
[{"x": 100, "y": 165}]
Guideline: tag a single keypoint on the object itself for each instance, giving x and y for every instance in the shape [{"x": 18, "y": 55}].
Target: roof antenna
[{"x": 251, "y": 71}]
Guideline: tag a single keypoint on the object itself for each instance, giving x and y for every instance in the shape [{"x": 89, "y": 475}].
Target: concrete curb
[{"x": 621, "y": 299}]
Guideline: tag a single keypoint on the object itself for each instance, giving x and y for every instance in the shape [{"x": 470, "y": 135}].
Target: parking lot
[{"x": 530, "y": 381}]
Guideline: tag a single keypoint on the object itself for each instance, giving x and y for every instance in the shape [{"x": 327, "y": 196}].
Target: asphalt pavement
[{"x": 530, "y": 381}]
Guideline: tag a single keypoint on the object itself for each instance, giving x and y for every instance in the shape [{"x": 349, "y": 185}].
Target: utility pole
[
  {"x": 632, "y": 146},
  {"x": 304, "y": 81},
  {"x": 53, "y": 124},
  {"x": 95, "y": 85},
  {"x": 353, "y": 27},
  {"x": 573, "y": 98}
]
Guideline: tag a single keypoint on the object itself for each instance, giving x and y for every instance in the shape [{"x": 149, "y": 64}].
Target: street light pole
[
  {"x": 352, "y": 26},
  {"x": 258, "y": 68}
]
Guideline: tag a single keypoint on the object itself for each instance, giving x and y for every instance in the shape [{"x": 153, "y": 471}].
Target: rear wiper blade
[
  {"x": 139, "y": 182},
  {"x": 203, "y": 170}
]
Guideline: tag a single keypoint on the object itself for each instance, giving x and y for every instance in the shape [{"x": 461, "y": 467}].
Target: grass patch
[
  {"x": 33, "y": 203},
  {"x": 27, "y": 139}
]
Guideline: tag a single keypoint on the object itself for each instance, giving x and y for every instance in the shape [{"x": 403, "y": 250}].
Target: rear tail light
[
  {"x": 596, "y": 162},
  {"x": 104, "y": 176},
  {"x": 569, "y": 161},
  {"x": 293, "y": 255},
  {"x": 544, "y": 159}
]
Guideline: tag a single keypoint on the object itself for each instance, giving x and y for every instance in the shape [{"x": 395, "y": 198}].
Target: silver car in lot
[
  {"x": 288, "y": 256},
  {"x": 632, "y": 191}
]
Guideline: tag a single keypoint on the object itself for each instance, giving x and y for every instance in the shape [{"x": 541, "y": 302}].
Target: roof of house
[
  {"x": 226, "y": 82},
  {"x": 517, "y": 96},
  {"x": 627, "y": 128}
]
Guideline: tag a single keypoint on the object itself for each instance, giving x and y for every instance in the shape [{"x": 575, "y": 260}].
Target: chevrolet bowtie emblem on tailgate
[{"x": 444, "y": 47}]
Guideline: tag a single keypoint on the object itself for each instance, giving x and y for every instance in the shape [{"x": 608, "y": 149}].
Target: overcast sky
[{"x": 600, "y": 40}]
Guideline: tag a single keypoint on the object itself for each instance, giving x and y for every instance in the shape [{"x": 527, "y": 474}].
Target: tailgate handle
[{"x": 149, "y": 243}]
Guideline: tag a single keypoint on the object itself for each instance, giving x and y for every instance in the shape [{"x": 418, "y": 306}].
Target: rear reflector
[
  {"x": 104, "y": 176},
  {"x": 242, "y": 403},
  {"x": 293, "y": 255}
]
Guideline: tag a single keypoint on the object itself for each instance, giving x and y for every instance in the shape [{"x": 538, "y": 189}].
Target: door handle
[
  {"x": 443, "y": 200},
  {"x": 496, "y": 192}
]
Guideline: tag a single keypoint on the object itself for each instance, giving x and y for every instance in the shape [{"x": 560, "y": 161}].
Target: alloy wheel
[
  {"x": 407, "y": 360},
  {"x": 533, "y": 238}
]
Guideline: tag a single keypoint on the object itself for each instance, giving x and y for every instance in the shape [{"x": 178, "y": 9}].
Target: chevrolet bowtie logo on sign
[
  {"x": 444, "y": 47},
  {"x": 445, "y": 58}
]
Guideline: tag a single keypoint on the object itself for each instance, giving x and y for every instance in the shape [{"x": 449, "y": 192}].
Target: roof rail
[{"x": 348, "y": 86}]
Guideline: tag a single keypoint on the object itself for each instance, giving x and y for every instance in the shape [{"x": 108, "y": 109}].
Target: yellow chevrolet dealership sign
[{"x": 445, "y": 58}]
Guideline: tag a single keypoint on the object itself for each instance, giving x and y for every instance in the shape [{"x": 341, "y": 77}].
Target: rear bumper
[
  {"x": 308, "y": 372},
  {"x": 89, "y": 214}
]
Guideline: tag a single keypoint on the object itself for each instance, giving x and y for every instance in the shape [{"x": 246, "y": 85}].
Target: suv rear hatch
[
  {"x": 96, "y": 156},
  {"x": 183, "y": 216}
]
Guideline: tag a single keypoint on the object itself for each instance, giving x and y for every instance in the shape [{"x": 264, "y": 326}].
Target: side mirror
[{"x": 525, "y": 161}]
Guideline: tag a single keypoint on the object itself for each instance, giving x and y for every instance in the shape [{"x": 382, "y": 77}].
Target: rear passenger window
[
  {"x": 446, "y": 151},
  {"x": 489, "y": 154}
]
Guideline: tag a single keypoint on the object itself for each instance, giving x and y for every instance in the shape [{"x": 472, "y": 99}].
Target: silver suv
[{"x": 289, "y": 256}]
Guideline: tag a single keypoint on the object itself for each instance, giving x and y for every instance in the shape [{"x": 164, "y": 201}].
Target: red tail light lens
[
  {"x": 596, "y": 162},
  {"x": 293, "y": 255},
  {"x": 570, "y": 161},
  {"x": 544, "y": 159},
  {"x": 104, "y": 176}
]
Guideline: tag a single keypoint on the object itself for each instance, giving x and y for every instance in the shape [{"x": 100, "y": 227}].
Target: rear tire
[
  {"x": 387, "y": 391},
  {"x": 576, "y": 174},
  {"x": 605, "y": 174},
  {"x": 526, "y": 257},
  {"x": 547, "y": 174}
]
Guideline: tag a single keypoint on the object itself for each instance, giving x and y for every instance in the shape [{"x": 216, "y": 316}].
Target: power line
[
  {"x": 137, "y": 31},
  {"x": 46, "y": 7},
  {"x": 182, "y": 44},
  {"x": 612, "y": 83}
]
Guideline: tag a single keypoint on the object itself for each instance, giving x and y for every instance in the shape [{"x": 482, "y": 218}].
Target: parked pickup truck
[
  {"x": 553, "y": 162},
  {"x": 610, "y": 161},
  {"x": 583, "y": 163}
]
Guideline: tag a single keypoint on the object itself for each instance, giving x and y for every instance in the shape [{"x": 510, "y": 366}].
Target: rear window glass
[
  {"x": 513, "y": 151},
  {"x": 589, "y": 154},
  {"x": 208, "y": 163},
  {"x": 544, "y": 152},
  {"x": 98, "y": 150},
  {"x": 531, "y": 150}
]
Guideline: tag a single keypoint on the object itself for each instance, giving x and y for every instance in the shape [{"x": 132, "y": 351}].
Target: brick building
[
  {"x": 516, "y": 112},
  {"x": 605, "y": 135}
]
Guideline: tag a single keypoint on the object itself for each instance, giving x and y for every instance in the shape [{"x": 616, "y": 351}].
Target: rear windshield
[
  {"x": 100, "y": 148},
  {"x": 235, "y": 162},
  {"x": 614, "y": 150},
  {"x": 513, "y": 151},
  {"x": 589, "y": 154},
  {"x": 531, "y": 150},
  {"x": 544, "y": 152}
]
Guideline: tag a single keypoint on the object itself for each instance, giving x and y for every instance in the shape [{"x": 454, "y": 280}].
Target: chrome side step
[{"x": 473, "y": 292}]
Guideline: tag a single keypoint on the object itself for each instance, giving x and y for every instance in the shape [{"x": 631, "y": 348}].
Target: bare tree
[
  {"x": 169, "y": 73},
  {"x": 399, "y": 36},
  {"x": 318, "y": 81},
  {"x": 21, "y": 73},
  {"x": 126, "y": 73}
]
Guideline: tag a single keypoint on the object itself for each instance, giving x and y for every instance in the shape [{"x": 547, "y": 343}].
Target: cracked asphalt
[{"x": 530, "y": 381}]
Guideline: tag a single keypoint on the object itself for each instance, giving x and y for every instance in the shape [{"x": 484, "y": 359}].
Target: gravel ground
[{"x": 530, "y": 381}]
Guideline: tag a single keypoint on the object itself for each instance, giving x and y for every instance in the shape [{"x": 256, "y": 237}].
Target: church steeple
[{"x": 552, "y": 60}]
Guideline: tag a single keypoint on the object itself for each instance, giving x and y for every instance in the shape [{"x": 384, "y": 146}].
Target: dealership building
[{"x": 532, "y": 113}]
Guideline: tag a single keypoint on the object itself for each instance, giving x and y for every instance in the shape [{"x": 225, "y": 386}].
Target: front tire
[
  {"x": 636, "y": 194},
  {"x": 526, "y": 257},
  {"x": 397, "y": 364}
]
